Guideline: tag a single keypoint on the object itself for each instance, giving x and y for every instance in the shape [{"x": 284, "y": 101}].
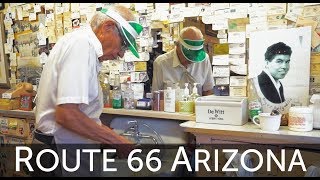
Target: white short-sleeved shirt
[
  {"x": 70, "y": 76},
  {"x": 168, "y": 69}
]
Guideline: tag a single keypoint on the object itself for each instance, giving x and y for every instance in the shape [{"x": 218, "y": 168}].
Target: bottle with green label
[
  {"x": 254, "y": 102},
  {"x": 116, "y": 93}
]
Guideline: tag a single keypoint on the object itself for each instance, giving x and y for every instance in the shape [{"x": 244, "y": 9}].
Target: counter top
[
  {"x": 150, "y": 113},
  {"x": 124, "y": 112},
  {"x": 249, "y": 132}
]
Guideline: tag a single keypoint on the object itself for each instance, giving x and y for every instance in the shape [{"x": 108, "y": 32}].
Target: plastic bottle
[
  {"x": 128, "y": 97},
  {"x": 169, "y": 100},
  {"x": 194, "y": 95},
  {"x": 186, "y": 106},
  {"x": 185, "y": 96},
  {"x": 116, "y": 93},
  {"x": 254, "y": 104},
  {"x": 179, "y": 94}
]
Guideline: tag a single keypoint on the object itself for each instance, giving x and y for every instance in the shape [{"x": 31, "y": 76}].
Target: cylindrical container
[
  {"x": 300, "y": 118},
  {"x": 156, "y": 101},
  {"x": 161, "y": 100}
]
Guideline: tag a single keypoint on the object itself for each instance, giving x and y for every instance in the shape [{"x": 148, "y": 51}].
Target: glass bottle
[
  {"x": 116, "y": 93},
  {"x": 128, "y": 97},
  {"x": 254, "y": 101}
]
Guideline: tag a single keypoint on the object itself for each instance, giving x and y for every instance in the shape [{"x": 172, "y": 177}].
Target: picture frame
[{"x": 4, "y": 64}]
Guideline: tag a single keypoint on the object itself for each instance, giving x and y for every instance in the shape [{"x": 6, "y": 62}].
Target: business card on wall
[
  {"x": 238, "y": 80},
  {"x": 239, "y": 91}
]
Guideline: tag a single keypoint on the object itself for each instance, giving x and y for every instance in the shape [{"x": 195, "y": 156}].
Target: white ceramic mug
[{"x": 267, "y": 121}]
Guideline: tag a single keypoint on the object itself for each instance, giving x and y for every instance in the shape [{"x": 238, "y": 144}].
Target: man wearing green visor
[
  {"x": 186, "y": 63},
  {"x": 69, "y": 102}
]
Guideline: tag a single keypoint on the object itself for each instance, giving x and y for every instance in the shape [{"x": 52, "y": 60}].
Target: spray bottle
[{"x": 186, "y": 106}]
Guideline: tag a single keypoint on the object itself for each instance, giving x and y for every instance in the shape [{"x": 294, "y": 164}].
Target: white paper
[
  {"x": 239, "y": 69},
  {"x": 221, "y": 81},
  {"x": 191, "y": 12},
  {"x": 13, "y": 59},
  {"x": 208, "y": 19},
  {"x": 220, "y": 24},
  {"x": 37, "y": 8},
  {"x": 221, "y": 71},
  {"x": 237, "y": 59},
  {"x": 255, "y": 27},
  {"x": 237, "y": 48},
  {"x": 222, "y": 36},
  {"x": 237, "y": 37},
  {"x": 220, "y": 60},
  {"x": 32, "y": 16},
  {"x": 238, "y": 81},
  {"x": 217, "y": 6},
  {"x": 237, "y": 13},
  {"x": 258, "y": 19},
  {"x": 43, "y": 58},
  {"x": 277, "y": 8},
  {"x": 19, "y": 13},
  {"x": 222, "y": 41}
]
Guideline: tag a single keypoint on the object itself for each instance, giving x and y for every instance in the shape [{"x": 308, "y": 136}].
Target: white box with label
[{"x": 221, "y": 110}]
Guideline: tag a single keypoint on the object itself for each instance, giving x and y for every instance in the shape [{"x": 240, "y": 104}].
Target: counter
[
  {"x": 111, "y": 111},
  {"x": 150, "y": 114},
  {"x": 250, "y": 133}
]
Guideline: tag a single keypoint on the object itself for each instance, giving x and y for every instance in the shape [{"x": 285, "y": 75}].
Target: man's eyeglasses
[{"x": 124, "y": 45}]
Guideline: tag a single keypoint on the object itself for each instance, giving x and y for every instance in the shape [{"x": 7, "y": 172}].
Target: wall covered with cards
[{"x": 32, "y": 29}]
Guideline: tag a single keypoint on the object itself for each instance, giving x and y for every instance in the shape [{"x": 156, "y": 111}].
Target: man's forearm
[{"x": 70, "y": 117}]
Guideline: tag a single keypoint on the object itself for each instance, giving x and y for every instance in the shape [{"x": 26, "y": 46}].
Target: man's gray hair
[{"x": 99, "y": 17}]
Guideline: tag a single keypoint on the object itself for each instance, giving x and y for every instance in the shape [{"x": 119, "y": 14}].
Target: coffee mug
[{"x": 267, "y": 122}]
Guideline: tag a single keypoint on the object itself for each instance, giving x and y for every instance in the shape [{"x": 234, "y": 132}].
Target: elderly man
[
  {"x": 186, "y": 63},
  {"x": 277, "y": 58},
  {"x": 70, "y": 99}
]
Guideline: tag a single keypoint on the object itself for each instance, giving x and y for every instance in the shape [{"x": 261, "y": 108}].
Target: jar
[{"x": 300, "y": 118}]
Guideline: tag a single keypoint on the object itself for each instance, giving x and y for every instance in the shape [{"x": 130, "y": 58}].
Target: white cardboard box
[{"x": 221, "y": 110}]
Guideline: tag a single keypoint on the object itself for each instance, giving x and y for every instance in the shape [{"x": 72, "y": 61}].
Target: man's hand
[{"x": 124, "y": 148}]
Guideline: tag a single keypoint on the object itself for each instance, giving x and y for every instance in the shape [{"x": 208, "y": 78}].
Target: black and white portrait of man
[{"x": 279, "y": 65}]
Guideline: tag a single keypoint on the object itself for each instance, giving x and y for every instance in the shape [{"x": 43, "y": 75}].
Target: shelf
[
  {"x": 150, "y": 114},
  {"x": 17, "y": 113}
]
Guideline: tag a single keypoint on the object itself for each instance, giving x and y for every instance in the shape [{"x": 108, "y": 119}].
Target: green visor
[
  {"x": 130, "y": 30},
  {"x": 193, "y": 50}
]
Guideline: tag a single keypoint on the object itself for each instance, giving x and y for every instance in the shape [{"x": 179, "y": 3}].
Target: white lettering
[
  {"x": 204, "y": 161},
  {"x": 64, "y": 161},
  {"x": 56, "y": 160},
  {"x": 185, "y": 160},
  {"x": 280, "y": 166},
  {"x": 91, "y": 151},
  {"x": 234, "y": 153},
  {"x": 25, "y": 160},
  {"x": 243, "y": 164},
  {"x": 106, "y": 160},
  {"x": 301, "y": 163}
]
